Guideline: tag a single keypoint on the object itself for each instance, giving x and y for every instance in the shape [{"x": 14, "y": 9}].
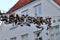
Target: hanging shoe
[{"x": 28, "y": 25}]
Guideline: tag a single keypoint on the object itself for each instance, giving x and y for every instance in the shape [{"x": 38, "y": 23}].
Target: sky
[{"x": 5, "y": 5}]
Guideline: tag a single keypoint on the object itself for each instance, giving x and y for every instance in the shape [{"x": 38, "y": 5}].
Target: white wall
[{"x": 47, "y": 10}]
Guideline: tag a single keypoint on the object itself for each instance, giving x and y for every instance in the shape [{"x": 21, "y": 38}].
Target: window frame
[
  {"x": 25, "y": 11},
  {"x": 37, "y": 13},
  {"x": 13, "y": 38},
  {"x": 35, "y": 34},
  {"x": 24, "y": 35}
]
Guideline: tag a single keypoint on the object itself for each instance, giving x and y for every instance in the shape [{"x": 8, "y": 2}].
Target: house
[{"x": 43, "y": 8}]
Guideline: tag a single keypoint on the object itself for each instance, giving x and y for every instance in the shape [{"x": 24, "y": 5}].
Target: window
[
  {"x": 25, "y": 37},
  {"x": 54, "y": 33},
  {"x": 38, "y": 9},
  {"x": 58, "y": 20},
  {"x": 58, "y": 33},
  {"x": 54, "y": 21},
  {"x": 52, "y": 36},
  {"x": 37, "y": 35},
  {"x": 57, "y": 26},
  {"x": 14, "y": 38},
  {"x": 25, "y": 12},
  {"x": 39, "y": 38},
  {"x": 13, "y": 26}
]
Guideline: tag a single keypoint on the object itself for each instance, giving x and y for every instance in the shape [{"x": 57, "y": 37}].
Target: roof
[
  {"x": 57, "y": 1},
  {"x": 19, "y": 4}
]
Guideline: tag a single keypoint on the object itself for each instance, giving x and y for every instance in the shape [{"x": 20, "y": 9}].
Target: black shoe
[
  {"x": 28, "y": 25},
  {"x": 21, "y": 25},
  {"x": 38, "y": 27}
]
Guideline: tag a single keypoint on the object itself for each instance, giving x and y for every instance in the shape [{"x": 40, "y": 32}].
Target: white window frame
[
  {"x": 13, "y": 38},
  {"x": 24, "y": 11},
  {"x": 24, "y": 35},
  {"x": 35, "y": 34},
  {"x": 36, "y": 14}
]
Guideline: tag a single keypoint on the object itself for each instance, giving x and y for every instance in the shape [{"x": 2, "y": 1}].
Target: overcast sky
[{"x": 5, "y": 5}]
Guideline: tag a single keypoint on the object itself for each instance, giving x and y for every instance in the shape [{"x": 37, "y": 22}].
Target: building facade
[{"x": 43, "y": 8}]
